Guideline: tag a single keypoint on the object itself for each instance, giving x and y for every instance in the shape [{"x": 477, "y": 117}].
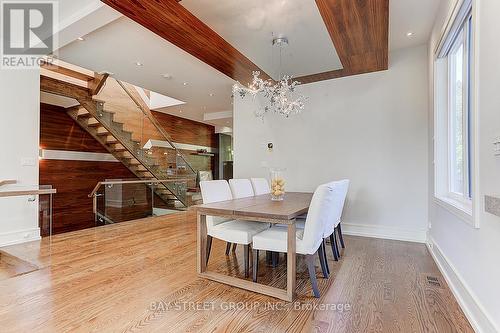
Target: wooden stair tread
[
  {"x": 92, "y": 122},
  {"x": 103, "y": 132}
]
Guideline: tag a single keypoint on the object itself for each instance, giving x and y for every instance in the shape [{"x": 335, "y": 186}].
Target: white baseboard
[
  {"x": 384, "y": 232},
  {"x": 19, "y": 236},
  {"x": 474, "y": 311}
]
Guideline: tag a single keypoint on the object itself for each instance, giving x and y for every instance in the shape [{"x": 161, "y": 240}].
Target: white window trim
[{"x": 466, "y": 210}]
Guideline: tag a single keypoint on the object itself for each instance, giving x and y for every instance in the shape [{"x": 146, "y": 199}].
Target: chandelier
[{"x": 279, "y": 96}]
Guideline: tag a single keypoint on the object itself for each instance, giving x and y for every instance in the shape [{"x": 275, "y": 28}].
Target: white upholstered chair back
[
  {"x": 260, "y": 186},
  {"x": 241, "y": 188},
  {"x": 339, "y": 189},
  {"x": 320, "y": 214},
  {"x": 215, "y": 191}
]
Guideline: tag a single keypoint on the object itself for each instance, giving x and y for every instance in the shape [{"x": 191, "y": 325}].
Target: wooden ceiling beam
[
  {"x": 359, "y": 30},
  {"x": 54, "y": 86},
  {"x": 171, "y": 21}
]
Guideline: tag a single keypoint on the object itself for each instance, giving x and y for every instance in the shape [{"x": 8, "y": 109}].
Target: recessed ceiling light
[
  {"x": 409, "y": 34},
  {"x": 81, "y": 39},
  {"x": 185, "y": 84},
  {"x": 166, "y": 76},
  {"x": 212, "y": 95},
  {"x": 138, "y": 63}
]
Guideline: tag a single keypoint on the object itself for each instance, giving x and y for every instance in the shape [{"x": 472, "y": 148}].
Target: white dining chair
[
  {"x": 341, "y": 188},
  {"x": 230, "y": 231},
  {"x": 260, "y": 186},
  {"x": 241, "y": 188},
  {"x": 334, "y": 228},
  {"x": 309, "y": 240}
]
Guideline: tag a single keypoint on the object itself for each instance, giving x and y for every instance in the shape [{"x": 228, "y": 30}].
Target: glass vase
[{"x": 277, "y": 185}]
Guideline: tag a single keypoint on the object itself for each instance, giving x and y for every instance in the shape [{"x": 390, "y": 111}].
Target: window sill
[{"x": 458, "y": 208}]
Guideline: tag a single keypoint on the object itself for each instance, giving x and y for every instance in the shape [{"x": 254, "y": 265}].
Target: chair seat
[
  {"x": 240, "y": 232},
  {"x": 331, "y": 229},
  {"x": 276, "y": 240},
  {"x": 300, "y": 224}
]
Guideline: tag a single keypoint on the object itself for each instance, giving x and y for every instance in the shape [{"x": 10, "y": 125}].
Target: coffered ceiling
[
  {"x": 193, "y": 50},
  {"x": 359, "y": 32},
  {"x": 250, "y": 27}
]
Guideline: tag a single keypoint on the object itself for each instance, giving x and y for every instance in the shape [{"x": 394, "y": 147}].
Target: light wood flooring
[{"x": 140, "y": 276}]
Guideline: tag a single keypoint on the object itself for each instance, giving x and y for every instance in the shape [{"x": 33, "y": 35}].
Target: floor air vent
[{"x": 433, "y": 281}]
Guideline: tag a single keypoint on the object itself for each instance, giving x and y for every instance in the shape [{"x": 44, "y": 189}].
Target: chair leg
[
  {"x": 255, "y": 267},
  {"x": 333, "y": 243},
  {"x": 269, "y": 257},
  {"x": 341, "y": 237},
  {"x": 276, "y": 259},
  {"x": 321, "y": 254},
  {"x": 234, "y": 247},
  {"x": 246, "y": 258},
  {"x": 335, "y": 235},
  {"x": 209, "y": 246},
  {"x": 326, "y": 257},
  {"x": 312, "y": 274},
  {"x": 228, "y": 248}
]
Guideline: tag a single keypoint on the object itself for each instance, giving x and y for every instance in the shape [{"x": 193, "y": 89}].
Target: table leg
[
  {"x": 291, "y": 262},
  {"x": 202, "y": 244},
  {"x": 50, "y": 215}
]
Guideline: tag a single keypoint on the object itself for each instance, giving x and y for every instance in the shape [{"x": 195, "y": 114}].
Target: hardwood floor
[{"x": 140, "y": 276}]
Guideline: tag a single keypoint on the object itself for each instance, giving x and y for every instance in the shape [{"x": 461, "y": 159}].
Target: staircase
[{"x": 114, "y": 114}]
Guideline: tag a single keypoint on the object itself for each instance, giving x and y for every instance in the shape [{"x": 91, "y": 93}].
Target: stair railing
[
  {"x": 147, "y": 112},
  {"x": 119, "y": 110},
  {"x": 124, "y": 200}
]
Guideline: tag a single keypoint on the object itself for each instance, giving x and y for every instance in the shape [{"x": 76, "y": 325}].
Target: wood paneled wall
[
  {"x": 191, "y": 132},
  {"x": 74, "y": 180},
  {"x": 59, "y": 132},
  {"x": 188, "y": 131}
]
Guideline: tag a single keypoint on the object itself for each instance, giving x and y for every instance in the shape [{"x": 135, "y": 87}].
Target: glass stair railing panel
[
  {"x": 117, "y": 201},
  {"x": 136, "y": 129}
]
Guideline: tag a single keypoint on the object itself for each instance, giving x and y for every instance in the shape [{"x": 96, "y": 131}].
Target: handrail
[
  {"x": 155, "y": 122},
  {"x": 8, "y": 182},
  {"x": 145, "y": 181},
  {"x": 27, "y": 190}
]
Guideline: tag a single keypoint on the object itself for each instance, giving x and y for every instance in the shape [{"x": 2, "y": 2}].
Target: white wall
[
  {"x": 468, "y": 256},
  {"x": 369, "y": 128},
  {"x": 19, "y": 138}
]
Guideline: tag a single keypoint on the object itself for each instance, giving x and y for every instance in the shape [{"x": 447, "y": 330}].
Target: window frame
[{"x": 460, "y": 28}]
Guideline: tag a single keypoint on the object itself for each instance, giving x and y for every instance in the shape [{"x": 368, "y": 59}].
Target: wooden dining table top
[{"x": 261, "y": 206}]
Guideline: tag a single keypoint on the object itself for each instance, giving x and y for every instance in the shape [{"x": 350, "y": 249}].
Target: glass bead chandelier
[{"x": 280, "y": 96}]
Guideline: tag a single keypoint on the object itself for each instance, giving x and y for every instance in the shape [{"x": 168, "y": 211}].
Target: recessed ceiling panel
[
  {"x": 120, "y": 46},
  {"x": 250, "y": 27}
]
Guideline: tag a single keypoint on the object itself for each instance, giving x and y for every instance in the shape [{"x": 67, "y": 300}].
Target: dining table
[{"x": 258, "y": 209}]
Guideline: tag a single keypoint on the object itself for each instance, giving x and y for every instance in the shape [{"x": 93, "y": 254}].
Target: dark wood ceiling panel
[
  {"x": 170, "y": 20},
  {"x": 360, "y": 32}
]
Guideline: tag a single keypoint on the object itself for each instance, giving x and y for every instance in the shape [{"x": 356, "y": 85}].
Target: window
[
  {"x": 460, "y": 177},
  {"x": 453, "y": 112}
]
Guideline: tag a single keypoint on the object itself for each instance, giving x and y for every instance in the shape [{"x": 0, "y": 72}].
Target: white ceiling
[
  {"x": 71, "y": 8},
  {"x": 251, "y": 25},
  {"x": 416, "y": 16},
  {"x": 117, "y": 46}
]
